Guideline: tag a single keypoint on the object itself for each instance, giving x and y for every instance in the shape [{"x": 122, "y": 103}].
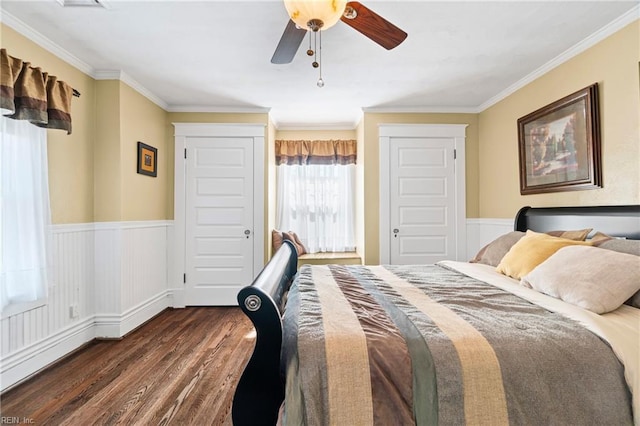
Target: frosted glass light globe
[{"x": 328, "y": 11}]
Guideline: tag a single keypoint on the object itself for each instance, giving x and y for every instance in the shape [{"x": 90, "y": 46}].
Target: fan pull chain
[
  {"x": 320, "y": 82},
  {"x": 315, "y": 50},
  {"x": 310, "y": 50}
]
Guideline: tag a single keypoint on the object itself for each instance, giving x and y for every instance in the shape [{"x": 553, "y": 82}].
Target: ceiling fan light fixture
[{"x": 304, "y": 11}]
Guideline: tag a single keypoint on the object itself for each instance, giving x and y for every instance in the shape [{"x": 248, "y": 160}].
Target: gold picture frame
[{"x": 559, "y": 145}]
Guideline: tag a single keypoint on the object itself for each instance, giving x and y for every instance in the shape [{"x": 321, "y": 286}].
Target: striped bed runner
[{"x": 367, "y": 345}]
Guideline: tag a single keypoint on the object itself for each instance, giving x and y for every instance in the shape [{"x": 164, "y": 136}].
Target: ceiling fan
[{"x": 315, "y": 15}]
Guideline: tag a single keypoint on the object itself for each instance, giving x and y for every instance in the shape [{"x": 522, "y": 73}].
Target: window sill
[
  {"x": 21, "y": 307},
  {"x": 340, "y": 258}
]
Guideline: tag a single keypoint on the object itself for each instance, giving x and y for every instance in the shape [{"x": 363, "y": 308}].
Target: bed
[{"x": 456, "y": 342}]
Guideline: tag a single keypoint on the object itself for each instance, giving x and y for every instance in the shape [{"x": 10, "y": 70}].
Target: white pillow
[{"x": 595, "y": 279}]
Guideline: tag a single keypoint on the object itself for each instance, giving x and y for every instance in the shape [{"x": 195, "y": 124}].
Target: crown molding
[
  {"x": 604, "y": 32},
  {"x": 55, "y": 49},
  {"x": 45, "y": 43},
  {"x": 315, "y": 126},
  {"x": 422, "y": 110},
  {"x": 349, "y": 124},
  {"x": 218, "y": 109},
  {"x": 107, "y": 74},
  {"x": 126, "y": 78}
]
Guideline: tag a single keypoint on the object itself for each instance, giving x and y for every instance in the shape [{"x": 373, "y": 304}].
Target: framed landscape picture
[{"x": 559, "y": 145}]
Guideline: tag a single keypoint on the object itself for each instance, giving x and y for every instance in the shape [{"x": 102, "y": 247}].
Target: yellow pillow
[{"x": 530, "y": 251}]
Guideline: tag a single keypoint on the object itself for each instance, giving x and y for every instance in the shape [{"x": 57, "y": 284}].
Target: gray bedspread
[{"x": 391, "y": 345}]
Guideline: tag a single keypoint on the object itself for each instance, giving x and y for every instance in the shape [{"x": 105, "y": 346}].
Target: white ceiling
[{"x": 215, "y": 55}]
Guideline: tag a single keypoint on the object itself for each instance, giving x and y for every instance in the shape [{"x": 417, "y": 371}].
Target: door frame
[
  {"x": 457, "y": 134},
  {"x": 181, "y": 133}
]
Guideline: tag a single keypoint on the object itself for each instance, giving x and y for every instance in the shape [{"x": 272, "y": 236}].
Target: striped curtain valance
[
  {"x": 298, "y": 152},
  {"x": 28, "y": 93}
]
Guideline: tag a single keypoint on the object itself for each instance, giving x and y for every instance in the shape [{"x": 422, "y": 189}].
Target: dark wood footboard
[{"x": 260, "y": 391}]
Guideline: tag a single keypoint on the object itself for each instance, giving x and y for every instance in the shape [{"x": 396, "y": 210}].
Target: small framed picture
[
  {"x": 560, "y": 145},
  {"x": 147, "y": 160}
]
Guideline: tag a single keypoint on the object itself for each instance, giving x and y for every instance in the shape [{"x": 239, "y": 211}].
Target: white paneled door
[
  {"x": 422, "y": 182},
  {"x": 424, "y": 215},
  {"x": 219, "y": 216}
]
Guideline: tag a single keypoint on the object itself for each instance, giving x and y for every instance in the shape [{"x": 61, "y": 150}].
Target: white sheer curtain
[
  {"x": 25, "y": 217},
  {"x": 317, "y": 203}
]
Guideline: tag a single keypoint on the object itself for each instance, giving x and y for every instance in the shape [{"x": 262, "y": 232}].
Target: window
[
  {"x": 25, "y": 216},
  {"x": 316, "y": 193}
]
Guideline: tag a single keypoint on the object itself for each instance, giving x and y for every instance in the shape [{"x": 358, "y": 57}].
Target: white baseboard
[
  {"x": 177, "y": 297},
  {"x": 24, "y": 363},
  {"x": 116, "y": 326},
  {"x": 27, "y": 361}
]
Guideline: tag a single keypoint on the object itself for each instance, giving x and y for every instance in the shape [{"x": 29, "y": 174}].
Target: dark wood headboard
[{"x": 616, "y": 221}]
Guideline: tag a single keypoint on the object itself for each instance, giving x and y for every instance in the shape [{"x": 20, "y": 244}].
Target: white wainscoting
[
  {"x": 115, "y": 276},
  {"x": 131, "y": 275},
  {"x": 483, "y": 231}
]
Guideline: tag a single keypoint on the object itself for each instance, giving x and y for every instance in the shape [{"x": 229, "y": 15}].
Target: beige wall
[
  {"x": 107, "y": 152},
  {"x": 143, "y": 197},
  {"x": 70, "y": 156},
  {"x": 315, "y": 134},
  {"x": 126, "y": 117},
  {"x": 372, "y": 167},
  {"x": 613, "y": 64},
  {"x": 360, "y": 206}
]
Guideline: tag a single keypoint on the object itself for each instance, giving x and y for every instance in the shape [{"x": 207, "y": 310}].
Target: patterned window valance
[
  {"x": 28, "y": 93},
  {"x": 316, "y": 152}
]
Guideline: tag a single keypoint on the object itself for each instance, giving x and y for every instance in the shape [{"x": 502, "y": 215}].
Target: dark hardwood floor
[{"x": 179, "y": 368}]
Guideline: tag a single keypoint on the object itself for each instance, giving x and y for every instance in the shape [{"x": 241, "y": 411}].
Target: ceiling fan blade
[
  {"x": 288, "y": 44},
  {"x": 374, "y": 26}
]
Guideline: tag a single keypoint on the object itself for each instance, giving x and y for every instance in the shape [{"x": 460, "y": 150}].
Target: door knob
[
  {"x": 247, "y": 232},
  {"x": 396, "y": 230}
]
